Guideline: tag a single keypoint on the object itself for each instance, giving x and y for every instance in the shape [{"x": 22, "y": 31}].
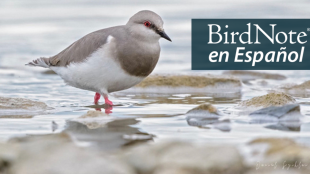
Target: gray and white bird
[{"x": 110, "y": 59}]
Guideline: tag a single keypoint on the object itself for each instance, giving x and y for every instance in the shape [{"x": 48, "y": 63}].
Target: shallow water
[{"x": 33, "y": 29}]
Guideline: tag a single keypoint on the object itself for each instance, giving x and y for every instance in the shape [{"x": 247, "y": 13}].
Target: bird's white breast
[{"x": 100, "y": 72}]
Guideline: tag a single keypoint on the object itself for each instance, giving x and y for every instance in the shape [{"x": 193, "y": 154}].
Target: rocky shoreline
[
  {"x": 57, "y": 153},
  {"x": 63, "y": 153}
]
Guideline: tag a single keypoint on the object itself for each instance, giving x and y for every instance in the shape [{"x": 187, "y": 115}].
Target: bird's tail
[{"x": 43, "y": 62}]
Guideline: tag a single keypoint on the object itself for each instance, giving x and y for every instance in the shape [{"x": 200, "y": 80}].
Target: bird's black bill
[{"x": 164, "y": 35}]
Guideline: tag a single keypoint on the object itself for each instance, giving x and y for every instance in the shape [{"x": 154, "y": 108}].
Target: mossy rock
[
  {"x": 271, "y": 99},
  {"x": 21, "y": 103},
  {"x": 186, "y": 80}
]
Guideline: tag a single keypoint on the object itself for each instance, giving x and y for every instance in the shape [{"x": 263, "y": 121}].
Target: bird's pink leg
[
  {"x": 108, "y": 105},
  {"x": 96, "y": 98},
  {"x": 107, "y": 101}
]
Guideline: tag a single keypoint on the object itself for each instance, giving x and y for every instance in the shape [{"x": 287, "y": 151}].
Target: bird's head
[{"x": 147, "y": 25}]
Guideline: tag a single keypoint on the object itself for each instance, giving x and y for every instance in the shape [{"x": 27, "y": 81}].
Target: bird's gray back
[
  {"x": 82, "y": 48},
  {"x": 134, "y": 57}
]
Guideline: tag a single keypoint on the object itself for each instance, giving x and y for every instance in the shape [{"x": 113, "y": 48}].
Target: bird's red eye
[{"x": 147, "y": 23}]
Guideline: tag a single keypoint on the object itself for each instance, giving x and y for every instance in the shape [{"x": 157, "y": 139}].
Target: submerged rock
[
  {"x": 253, "y": 75},
  {"x": 187, "y": 83},
  {"x": 289, "y": 113},
  {"x": 298, "y": 89},
  {"x": 271, "y": 99},
  {"x": 20, "y": 107},
  {"x": 177, "y": 157},
  {"x": 57, "y": 154}
]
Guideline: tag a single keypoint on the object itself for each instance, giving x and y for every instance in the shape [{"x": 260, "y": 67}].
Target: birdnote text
[{"x": 250, "y": 44}]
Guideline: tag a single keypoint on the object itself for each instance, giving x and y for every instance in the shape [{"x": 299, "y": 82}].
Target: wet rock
[
  {"x": 253, "y": 75},
  {"x": 187, "y": 83},
  {"x": 49, "y": 72},
  {"x": 204, "y": 110},
  {"x": 287, "y": 113},
  {"x": 8, "y": 155},
  {"x": 271, "y": 99},
  {"x": 206, "y": 116},
  {"x": 94, "y": 119},
  {"x": 278, "y": 170},
  {"x": 172, "y": 170},
  {"x": 93, "y": 114},
  {"x": 177, "y": 157},
  {"x": 298, "y": 89},
  {"x": 50, "y": 138},
  {"x": 20, "y": 107},
  {"x": 21, "y": 103},
  {"x": 288, "y": 154},
  {"x": 56, "y": 154}
]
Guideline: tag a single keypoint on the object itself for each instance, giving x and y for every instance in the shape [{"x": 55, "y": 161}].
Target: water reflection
[
  {"x": 285, "y": 126},
  {"x": 216, "y": 123},
  {"x": 183, "y": 98},
  {"x": 112, "y": 135}
]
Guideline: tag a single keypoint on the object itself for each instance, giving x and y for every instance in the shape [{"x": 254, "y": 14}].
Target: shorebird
[{"x": 110, "y": 59}]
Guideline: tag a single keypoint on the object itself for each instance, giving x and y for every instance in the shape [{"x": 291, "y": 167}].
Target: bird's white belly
[{"x": 99, "y": 73}]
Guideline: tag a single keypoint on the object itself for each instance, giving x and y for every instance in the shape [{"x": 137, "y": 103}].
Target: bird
[{"x": 110, "y": 59}]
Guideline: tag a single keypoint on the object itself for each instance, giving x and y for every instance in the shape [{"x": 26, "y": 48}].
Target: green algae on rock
[
  {"x": 252, "y": 75},
  {"x": 271, "y": 99},
  {"x": 187, "y": 83}
]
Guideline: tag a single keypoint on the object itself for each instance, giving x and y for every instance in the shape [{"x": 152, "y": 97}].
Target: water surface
[{"x": 32, "y": 29}]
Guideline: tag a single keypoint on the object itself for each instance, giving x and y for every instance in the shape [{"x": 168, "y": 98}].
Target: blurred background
[
  {"x": 34, "y": 28},
  {"x": 31, "y": 29}
]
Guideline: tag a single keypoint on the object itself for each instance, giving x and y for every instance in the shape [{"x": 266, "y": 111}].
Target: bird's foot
[
  {"x": 96, "y": 98},
  {"x": 107, "y": 101},
  {"x": 108, "y": 105}
]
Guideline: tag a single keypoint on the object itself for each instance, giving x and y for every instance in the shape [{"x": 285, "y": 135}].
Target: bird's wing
[{"x": 81, "y": 49}]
